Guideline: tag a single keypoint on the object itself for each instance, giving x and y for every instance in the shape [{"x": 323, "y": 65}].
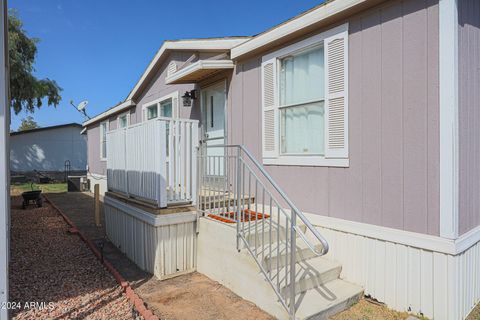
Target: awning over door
[{"x": 199, "y": 70}]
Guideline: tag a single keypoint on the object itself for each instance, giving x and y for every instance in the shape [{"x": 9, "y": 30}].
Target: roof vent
[{"x": 172, "y": 68}]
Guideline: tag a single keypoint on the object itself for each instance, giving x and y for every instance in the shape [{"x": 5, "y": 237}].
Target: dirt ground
[
  {"x": 367, "y": 310},
  {"x": 475, "y": 314},
  {"x": 54, "y": 275},
  {"x": 194, "y": 296}
]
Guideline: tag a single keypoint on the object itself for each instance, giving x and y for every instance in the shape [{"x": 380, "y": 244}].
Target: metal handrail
[{"x": 320, "y": 238}]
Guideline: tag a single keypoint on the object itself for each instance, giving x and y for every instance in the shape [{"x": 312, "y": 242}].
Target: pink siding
[
  {"x": 469, "y": 113},
  {"x": 393, "y": 177},
  {"x": 157, "y": 88},
  {"x": 95, "y": 166}
]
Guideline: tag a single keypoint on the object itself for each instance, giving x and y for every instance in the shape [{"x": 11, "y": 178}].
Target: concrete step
[
  {"x": 277, "y": 255},
  {"x": 309, "y": 274},
  {"x": 326, "y": 300},
  {"x": 258, "y": 233}
]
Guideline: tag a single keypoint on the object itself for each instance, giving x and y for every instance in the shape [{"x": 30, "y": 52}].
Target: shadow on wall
[
  {"x": 48, "y": 156},
  {"x": 469, "y": 13},
  {"x": 144, "y": 185}
]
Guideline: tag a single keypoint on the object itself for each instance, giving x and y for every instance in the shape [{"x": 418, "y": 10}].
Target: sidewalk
[{"x": 191, "y": 296}]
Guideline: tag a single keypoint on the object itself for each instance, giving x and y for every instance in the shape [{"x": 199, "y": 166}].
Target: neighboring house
[
  {"x": 364, "y": 112},
  {"x": 48, "y": 150}
]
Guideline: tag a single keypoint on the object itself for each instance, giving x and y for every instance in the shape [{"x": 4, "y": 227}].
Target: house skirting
[
  {"x": 99, "y": 179},
  {"x": 421, "y": 274},
  {"x": 164, "y": 245}
]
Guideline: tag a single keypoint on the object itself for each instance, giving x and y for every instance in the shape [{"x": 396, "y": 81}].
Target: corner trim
[{"x": 449, "y": 154}]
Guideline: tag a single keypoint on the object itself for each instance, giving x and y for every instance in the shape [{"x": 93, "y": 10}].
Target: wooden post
[{"x": 96, "y": 191}]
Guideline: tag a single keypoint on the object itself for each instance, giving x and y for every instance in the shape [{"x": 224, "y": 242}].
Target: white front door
[{"x": 214, "y": 104}]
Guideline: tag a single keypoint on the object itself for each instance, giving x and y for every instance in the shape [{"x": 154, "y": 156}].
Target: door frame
[{"x": 203, "y": 108}]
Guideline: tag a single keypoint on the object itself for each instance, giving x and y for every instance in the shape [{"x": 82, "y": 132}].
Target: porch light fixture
[{"x": 188, "y": 96}]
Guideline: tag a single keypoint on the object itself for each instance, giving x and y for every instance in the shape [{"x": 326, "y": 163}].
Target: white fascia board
[
  {"x": 200, "y": 45},
  {"x": 122, "y": 106},
  {"x": 304, "y": 21},
  {"x": 412, "y": 239},
  {"x": 152, "y": 219},
  {"x": 200, "y": 65},
  {"x": 449, "y": 140}
]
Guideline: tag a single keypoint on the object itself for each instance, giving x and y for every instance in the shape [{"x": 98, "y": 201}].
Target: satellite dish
[{"x": 82, "y": 105}]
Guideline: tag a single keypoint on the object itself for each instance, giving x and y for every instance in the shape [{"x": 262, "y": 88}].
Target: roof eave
[
  {"x": 301, "y": 24},
  {"x": 194, "y": 45},
  {"x": 118, "y": 108}
]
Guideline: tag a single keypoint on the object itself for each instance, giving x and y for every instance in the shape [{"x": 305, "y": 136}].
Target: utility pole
[{"x": 4, "y": 161}]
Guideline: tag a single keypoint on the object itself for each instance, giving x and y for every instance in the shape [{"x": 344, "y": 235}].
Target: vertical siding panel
[
  {"x": 433, "y": 129},
  {"x": 469, "y": 114},
  {"x": 414, "y": 279},
  {"x": 392, "y": 115},
  {"x": 440, "y": 296},
  {"x": 390, "y": 274},
  {"x": 402, "y": 283},
  {"x": 371, "y": 118},
  {"x": 414, "y": 115},
  {"x": 380, "y": 272},
  {"x": 353, "y": 193},
  {"x": 426, "y": 285}
]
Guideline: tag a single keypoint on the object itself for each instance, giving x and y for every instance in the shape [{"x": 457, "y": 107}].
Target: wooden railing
[{"x": 154, "y": 161}]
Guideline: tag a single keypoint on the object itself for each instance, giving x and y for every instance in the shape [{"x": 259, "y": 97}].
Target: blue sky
[{"x": 98, "y": 49}]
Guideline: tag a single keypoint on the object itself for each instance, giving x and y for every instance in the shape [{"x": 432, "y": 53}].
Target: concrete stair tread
[
  {"x": 303, "y": 253},
  {"x": 311, "y": 274},
  {"x": 326, "y": 300}
]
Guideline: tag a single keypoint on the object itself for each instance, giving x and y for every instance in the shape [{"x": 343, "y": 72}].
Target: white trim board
[
  {"x": 175, "y": 96},
  {"x": 199, "y": 65},
  {"x": 413, "y": 239},
  {"x": 449, "y": 153},
  {"x": 120, "y": 107},
  {"x": 323, "y": 12},
  {"x": 154, "y": 220}
]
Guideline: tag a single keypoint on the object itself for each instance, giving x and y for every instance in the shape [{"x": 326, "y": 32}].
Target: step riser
[
  {"x": 339, "y": 307},
  {"x": 258, "y": 234},
  {"x": 280, "y": 262},
  {"x": 313, "y": 282}
]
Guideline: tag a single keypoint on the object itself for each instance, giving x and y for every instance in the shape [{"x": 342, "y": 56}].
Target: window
[
  {"x": 152, "y": 112},
  {"x": 123, "y": 120},
  {"x": 302, "y": 94},
  {"x": 165, "y": 107},
  {"x": 103, "y": 140},
  {"x": 305, "y": 102}
]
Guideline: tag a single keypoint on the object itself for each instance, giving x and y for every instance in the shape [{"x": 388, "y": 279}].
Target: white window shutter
[
  {"x": 336, "y": 95},
  {"x": 269, "y": 109}
]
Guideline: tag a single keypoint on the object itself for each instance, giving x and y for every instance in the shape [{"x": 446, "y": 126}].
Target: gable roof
[
  {"x": 324, "y": 13},
  {"x": 208, "y": 44},
  {"x": 205, "y": 44}
]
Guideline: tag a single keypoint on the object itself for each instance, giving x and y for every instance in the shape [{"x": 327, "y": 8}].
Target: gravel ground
[{"x": 54, "y": 275}]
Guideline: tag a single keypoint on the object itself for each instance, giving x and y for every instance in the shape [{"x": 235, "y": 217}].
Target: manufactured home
[{"x": 334, "y": 155}]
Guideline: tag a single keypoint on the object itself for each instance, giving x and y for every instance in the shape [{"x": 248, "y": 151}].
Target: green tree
[
  {"x": 26, "y": 91},
  {"x": 27, "y": 124}
]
